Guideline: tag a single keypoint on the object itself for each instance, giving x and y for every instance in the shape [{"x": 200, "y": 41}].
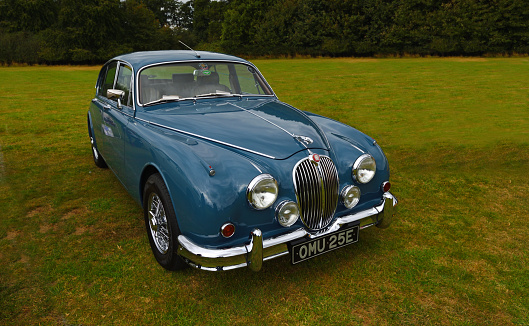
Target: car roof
[{"x": 142, "y": 59}]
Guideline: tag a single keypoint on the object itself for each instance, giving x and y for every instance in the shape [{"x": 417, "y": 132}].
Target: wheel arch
[
  {"x": 148, "y": 170},
  {"x": 91, "y": 128},
  {"x": 89, "y": 123}
]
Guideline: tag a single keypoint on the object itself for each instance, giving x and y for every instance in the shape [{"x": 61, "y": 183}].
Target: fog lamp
[
  {"x": 287, "y": 213},
  {"x": 350, "y": 196}
]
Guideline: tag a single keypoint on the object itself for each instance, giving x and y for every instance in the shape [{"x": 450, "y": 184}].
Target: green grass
[{"x": 73, "y": 248}]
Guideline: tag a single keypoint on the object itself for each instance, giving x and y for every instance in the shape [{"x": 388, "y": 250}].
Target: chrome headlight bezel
[
  {"x": 260, "y": 183},
  {"x": 364, "y": 169}
]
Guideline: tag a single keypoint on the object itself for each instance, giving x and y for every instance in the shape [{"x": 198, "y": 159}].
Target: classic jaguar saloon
[{"x": 229, "y": 176}]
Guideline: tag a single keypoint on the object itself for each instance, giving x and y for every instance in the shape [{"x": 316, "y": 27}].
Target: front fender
[
  {"x": 348, "y": 144},
  {"x": 207, "y": 183}
]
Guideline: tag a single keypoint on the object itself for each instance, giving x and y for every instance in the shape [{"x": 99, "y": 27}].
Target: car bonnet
[{"x": 266, "y": 127}]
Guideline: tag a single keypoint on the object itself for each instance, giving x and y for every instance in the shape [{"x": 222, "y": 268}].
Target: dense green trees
[
  {"x": 92, "y": 31},
  {"x": 88, "y": 31}
]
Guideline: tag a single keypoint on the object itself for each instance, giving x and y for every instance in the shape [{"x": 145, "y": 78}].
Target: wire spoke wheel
[
  {"x": 161, "y": 224},
  {"x": 158, "y": 223}
]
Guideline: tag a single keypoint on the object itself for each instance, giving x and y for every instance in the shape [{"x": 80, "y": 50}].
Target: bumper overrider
[{"x": 258, "y": 250}]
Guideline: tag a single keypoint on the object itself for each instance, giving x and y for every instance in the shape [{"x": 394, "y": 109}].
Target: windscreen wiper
[
  {"x": 218, "y": 93},
  {"x": 164, "y": 99}
]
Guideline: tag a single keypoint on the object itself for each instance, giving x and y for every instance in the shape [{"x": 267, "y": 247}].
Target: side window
[
  {"x": 108, "y": 79},
  {"x": 123, "y": 83}
]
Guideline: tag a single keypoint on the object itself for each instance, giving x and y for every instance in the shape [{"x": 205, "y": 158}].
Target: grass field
[{"x": 73, "y": 249}]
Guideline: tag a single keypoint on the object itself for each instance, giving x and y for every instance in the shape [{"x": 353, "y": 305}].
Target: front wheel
[{"x": 161, "y": 225}]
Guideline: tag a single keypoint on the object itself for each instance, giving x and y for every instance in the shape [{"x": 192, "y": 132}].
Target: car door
[{"x": 112, "y": 115}]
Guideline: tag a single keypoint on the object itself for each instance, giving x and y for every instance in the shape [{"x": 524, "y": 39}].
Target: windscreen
[{"x": 200, "y": 79}]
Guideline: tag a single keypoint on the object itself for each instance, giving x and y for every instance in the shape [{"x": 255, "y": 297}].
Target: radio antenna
[{"x": 196, "y": 53}]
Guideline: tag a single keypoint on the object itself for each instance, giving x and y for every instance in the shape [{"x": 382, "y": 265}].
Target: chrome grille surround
[{"x": 316, "y": 185}]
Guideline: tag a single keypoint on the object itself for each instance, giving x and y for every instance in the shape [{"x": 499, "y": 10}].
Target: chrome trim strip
[
  {"x": 315, "y": 125},
  {"x": 259, "y": 250},
  {"x": 357, "y": 148},
  {"x": 350, "y": 142},
  {"x": 276, "y": 255},
  {"x": 256, "y": 167},
  {"x": 132, "y": 81},
  {"x": 107, "y": 106},
  {"x": 207, "y": 138},
  {"x": 270, "y": 122},
  {"x": 299, "y": 138}
]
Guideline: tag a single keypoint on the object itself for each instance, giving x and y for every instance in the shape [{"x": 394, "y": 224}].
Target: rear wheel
[
  {"x": 161, "y": 225},
  {"x": 98, "y": 159}
]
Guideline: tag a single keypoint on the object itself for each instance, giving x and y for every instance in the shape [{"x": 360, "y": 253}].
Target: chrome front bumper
[{"x": 258, "y": 250}]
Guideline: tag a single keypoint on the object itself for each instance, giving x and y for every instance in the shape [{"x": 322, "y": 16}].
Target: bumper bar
[{"x": 258, "y": 250}]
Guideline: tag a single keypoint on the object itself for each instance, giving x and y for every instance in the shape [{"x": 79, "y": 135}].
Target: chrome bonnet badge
[{"x": 315, "y": 158}]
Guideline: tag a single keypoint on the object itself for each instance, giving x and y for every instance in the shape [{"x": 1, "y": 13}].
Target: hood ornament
[{"x": 304, "y": 140}]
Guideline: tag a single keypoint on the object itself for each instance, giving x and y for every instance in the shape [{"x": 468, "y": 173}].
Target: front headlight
[
  {"x": 262, "y": 191},
  {"x": 364, "y": 168}
]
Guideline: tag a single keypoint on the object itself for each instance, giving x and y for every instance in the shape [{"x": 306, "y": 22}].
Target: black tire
[
  {"x": 98, "y": 159},
  {"x": 161, "y": 225}
]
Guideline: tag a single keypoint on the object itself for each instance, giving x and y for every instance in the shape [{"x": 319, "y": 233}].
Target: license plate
[{"x": 315, "y": 247}]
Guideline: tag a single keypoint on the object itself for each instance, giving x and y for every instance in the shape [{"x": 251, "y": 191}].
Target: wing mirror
[{"x": 116, "y": 94}]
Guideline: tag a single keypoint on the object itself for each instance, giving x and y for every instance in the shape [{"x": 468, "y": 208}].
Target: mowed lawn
[{"x": 73, "y": 247}]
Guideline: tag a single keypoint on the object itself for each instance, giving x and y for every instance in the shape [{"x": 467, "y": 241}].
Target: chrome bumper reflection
[{"x": 258, "y": 250}]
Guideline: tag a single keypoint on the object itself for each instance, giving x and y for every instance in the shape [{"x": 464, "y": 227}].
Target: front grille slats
[{"x": 316, "y": 185}]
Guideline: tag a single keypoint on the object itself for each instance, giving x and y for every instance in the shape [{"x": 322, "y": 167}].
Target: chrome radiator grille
[{"x": 316, "y": 186}]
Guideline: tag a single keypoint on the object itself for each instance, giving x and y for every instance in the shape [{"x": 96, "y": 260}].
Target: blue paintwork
[
  {"x": 215, "y": 119},
  {"x": 239, "y": 138}
]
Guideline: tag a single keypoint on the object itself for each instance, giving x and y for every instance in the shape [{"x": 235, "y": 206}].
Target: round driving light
[
  {"x": 350, "y": 196},
  {"x": 364, "y": 168},
  {"x": 262, "y": 191},
  {"x": 227, "y": 230},
  {"x": 287, "y": 213},
  {"x": 386, "y": 186}
]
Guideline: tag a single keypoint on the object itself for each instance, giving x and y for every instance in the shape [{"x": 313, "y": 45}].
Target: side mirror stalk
[{"x": 116, "y": 94}]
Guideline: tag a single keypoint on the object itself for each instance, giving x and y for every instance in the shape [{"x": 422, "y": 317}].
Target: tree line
[{"x": 92, "y": 31}]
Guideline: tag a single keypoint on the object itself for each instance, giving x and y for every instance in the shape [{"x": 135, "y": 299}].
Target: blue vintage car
[{"x": 228, "y": 175}]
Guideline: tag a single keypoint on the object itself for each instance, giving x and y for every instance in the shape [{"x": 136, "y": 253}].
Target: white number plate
[{"x": 315, "y": 247}]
